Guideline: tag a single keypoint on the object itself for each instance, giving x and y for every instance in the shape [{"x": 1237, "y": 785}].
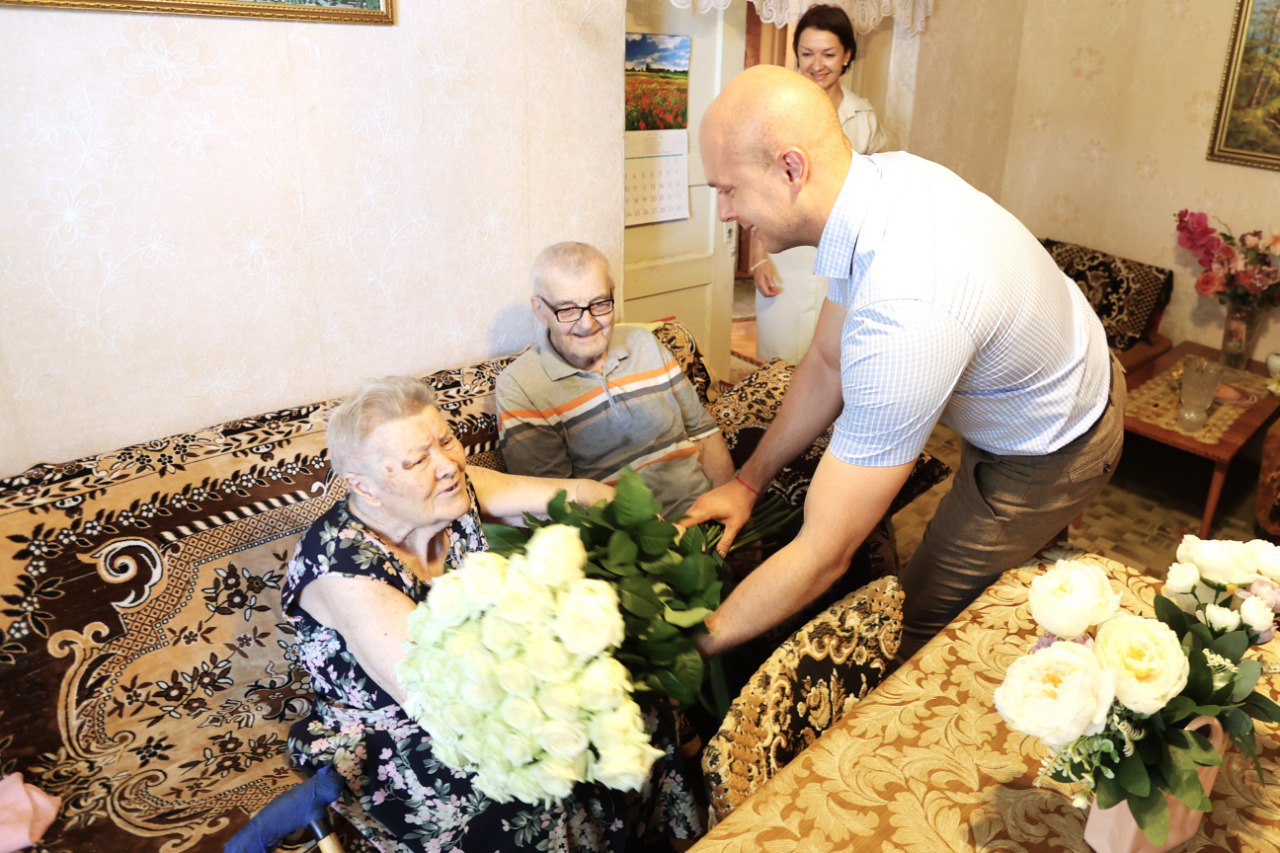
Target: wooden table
[
  {"x": 925, "y": 763},
  {"x": 1220, "y": 454}
]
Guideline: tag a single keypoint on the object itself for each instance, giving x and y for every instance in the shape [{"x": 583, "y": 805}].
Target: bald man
[{"x": 942, "y": 307}]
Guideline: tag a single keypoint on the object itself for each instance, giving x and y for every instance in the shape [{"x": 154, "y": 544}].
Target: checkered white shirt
[{"x": 955, "y": 313}]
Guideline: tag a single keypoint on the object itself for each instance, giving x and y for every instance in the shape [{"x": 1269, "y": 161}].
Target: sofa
[
  {"x": 150, "y": 680},
  {"x": 1127, "y": 295}
]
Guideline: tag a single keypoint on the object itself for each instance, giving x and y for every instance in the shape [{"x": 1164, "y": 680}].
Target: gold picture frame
[
  {"x": 353, "y": 12},
  {"x": 1241, "y": 133}
]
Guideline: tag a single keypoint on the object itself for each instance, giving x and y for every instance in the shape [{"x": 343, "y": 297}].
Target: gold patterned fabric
[
  {"x": 1156, "y": 402},
  {"x": 925, "y": 763},
  {"x": 806, "y": 686}
]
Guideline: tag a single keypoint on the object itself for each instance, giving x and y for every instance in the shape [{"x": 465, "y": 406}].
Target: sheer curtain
[{"x": 908, "y": 15}]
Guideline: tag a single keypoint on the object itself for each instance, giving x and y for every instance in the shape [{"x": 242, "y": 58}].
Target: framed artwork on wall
[
  {"x": 343, "y": 11},
  {"x": 1247, "y": 128}
]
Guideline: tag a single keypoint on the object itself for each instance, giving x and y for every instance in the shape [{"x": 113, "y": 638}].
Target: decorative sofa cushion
[
  {"x": 803, "y": 689},
  {"x": 745, "y": 411},
  {"x": 1127, "y": 295}
]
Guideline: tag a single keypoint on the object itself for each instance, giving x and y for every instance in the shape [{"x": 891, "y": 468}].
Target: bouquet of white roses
[
  {"x": 1113, "y": 705},
  {"x": 509, "y": 669}
]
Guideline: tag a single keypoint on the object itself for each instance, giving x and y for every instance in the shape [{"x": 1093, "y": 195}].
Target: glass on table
[{"x": 1200, "y": 379}]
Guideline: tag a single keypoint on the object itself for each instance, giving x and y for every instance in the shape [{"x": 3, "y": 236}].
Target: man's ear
[
  {"x": 795, "y": 167},
  {"x": 538, "y": 308}
]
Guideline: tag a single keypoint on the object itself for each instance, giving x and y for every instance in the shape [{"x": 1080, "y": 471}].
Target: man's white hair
[
  {"x": 376, "y": 403},
  {"x": 568, "y": 258}
]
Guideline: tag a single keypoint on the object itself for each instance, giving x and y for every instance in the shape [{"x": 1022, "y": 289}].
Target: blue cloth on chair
[{"x": 287, "y": 813}]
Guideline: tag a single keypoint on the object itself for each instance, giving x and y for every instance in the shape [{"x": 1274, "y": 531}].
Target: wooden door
[{"x": 684, "y": 269}]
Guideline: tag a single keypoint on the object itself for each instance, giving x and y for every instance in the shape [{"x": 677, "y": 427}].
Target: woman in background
[{"x": 788, "y": 294}]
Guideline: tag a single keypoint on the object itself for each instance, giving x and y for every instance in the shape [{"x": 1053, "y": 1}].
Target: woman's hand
[
  {"x": 589, "y": 492},
  {"x": 766, "y": 279}
]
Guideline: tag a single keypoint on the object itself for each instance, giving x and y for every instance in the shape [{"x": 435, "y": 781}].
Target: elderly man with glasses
[{"x": 590, "y": 399}]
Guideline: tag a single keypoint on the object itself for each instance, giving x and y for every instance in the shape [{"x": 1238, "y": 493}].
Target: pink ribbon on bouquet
[{"x": 25, "y": 813}]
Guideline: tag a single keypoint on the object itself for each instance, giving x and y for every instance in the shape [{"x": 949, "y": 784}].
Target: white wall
[{"x": 208, "y": 218}]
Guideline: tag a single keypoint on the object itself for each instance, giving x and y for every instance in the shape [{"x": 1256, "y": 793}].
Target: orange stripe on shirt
[{"x": 546, "y": 414}]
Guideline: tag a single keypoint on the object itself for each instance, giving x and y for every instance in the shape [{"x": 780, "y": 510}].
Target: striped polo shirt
[
  {"x": 558, "y": 421},
  {"x": 954, "y": 312}
]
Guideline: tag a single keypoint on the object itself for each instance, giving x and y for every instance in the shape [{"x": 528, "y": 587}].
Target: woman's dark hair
[{"x": 832, "y": 19}]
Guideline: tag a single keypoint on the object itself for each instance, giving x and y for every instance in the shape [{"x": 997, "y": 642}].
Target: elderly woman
[{"x": 412, "y": 512}]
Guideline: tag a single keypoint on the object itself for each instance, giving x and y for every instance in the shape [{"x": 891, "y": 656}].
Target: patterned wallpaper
[{"x": 203, "y": 219}]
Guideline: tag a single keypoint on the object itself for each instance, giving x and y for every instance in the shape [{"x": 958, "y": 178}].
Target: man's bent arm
[
  {"x": 713, "y": 456},
  {"x": 812, "y": 402},
  {"x": 845, "y": 501}
]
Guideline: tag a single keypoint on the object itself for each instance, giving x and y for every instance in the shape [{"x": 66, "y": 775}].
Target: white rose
[
  {"x": 483, "y": 575},
  {"x": 555, "y": 555},
  {"x": 1072, "y": 597},
  {"x": 558, "y": 776},
  {"x": 561, "y": 701},
  {"x": 563, "y": 739},
  {"x": 447, "y": 751},
  {"x": 1182, "y": 578},
  {"x": 476, "y": 664},
  {"x": 494, "y": 785},
  {"x": 501, "y": 637},
  {"x": 521, "y": 713},
  {"x": 1148, "y": 661},
  {"x": 1057, "y": 694},
  {"x": 547, "y": 658},
  {"x": 424, "y": 631},
  {"x": 525, "y": 785},
  {"x": 482, "y": 694},
  {"x": 1221, "y": 562},
  {"x": 518, "y": 747},
  {"x": 515, "y": 678},
  {"x": 449, "y": 602},
  {"x": 603, "y": 683},
  {"x": 587, "y": 618},
  {"x": 523, "y": 601},
  {"x": 1266, "y": 558},
  {"x": 1220, "y": 618},
  {"x": 625, "y": 768},
  {"x": 621, "y": 727},
  {"x": 1256, "y": 613}
]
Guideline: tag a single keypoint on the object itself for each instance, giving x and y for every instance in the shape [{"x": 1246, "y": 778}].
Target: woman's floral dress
[{"x": 402, "y": 798}]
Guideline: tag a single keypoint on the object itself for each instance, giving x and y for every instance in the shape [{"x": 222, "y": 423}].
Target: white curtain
[{"x": 908, "y": 15}]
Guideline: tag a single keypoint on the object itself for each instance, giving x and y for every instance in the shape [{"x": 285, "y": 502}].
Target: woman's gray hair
[{"x": 377, "y": 402}]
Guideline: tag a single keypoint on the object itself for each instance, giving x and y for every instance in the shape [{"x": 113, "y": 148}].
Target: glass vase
[{"x": 1240, "y": 333}]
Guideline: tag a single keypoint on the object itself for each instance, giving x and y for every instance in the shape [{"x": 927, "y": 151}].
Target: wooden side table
[{"x": 1224, "y": 451}]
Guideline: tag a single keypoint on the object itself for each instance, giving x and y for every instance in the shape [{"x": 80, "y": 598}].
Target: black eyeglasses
[{"x": 573, "y": 313}]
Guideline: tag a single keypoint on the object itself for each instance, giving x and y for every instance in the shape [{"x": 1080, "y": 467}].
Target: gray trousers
[{"x": 1000, "y": 511}]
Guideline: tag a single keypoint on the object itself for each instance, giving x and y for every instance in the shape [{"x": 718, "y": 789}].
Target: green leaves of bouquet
[{"x": 666, "y": 585}]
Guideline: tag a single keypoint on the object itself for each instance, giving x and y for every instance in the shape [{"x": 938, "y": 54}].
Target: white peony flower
[
  {"x": 555, "y": 555},
  {"x": 1182, "y": 579},
  {"x": 1221, "y": 562},
  {"x": 603, "y": 682},
  {"x": 1057, "y": 694},
  {"x": 1256, "y": 614},
  {"x": 1072, "y": 597},
  {"x": 563, "y": 739},
  {"x": 1148, "y": 661},
  {"x": 1220, "y": 618},
  {"x": 1266, "y": 558},
  {"x": 587, "y": 618}
]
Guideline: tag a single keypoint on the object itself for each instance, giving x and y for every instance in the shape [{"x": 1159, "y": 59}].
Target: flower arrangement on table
[
  {"x": 522, "y": 665},
  {"x": 1113, "y": 705},
  {"x": 1242, "y": 272}
]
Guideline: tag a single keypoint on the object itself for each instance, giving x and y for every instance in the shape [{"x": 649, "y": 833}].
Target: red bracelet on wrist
[{"x": 747, "y": 485}]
